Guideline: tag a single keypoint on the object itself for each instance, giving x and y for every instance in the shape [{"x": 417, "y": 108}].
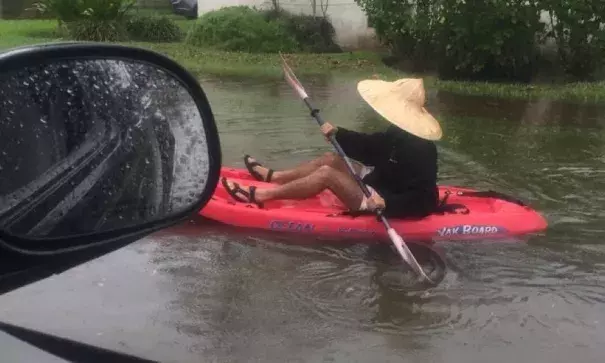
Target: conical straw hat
[{"x": 401, "y": 103}]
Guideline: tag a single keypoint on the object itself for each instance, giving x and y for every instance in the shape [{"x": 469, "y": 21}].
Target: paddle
[{"x": 400, "y": 245}]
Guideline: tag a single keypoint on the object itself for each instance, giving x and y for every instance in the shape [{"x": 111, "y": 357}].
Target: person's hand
[
  {"x": 327, "y": 130},
  {"x": 375, "y": 202}
]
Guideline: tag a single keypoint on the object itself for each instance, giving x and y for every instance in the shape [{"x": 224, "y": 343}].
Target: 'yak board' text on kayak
[
  {"x": 469, "y": 229},
  {"x": 298, "y": 226},
  {"x": 293, "y": 226}
]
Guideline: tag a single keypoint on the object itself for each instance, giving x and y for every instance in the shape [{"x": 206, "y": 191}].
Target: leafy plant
[
  {"x": 408, "y": 28},
  {"x": 153, "y": 29},
  {"x": 99, "y": 10},
  {"x": 314, "y": 34},
  {"x": 95, "y": 20},
  {"x": 241, "y": 28},
  {"x": 63, "y": 10},
  {"x": 90, "y": 30},
  {"x": 577, "y": 27},
  {"x": 464, "y": 39},
  {"x": 489, "y": 39}
]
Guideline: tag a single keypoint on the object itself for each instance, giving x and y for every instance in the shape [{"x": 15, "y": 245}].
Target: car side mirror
[{"x": 100, "y": 142}]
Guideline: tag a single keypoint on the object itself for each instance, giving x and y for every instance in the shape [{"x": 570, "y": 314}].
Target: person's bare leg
[
  {"x": 285, "y": 176},
  {"x": 324, "y": 177}
]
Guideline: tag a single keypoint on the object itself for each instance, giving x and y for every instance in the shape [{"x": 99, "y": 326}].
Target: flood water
[{"x": 208, "y": 293}]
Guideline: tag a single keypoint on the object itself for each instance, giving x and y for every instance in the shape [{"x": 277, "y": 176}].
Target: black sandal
[
  {"x": 237, "y": 189},
  {"x": 250, "y": 166}
]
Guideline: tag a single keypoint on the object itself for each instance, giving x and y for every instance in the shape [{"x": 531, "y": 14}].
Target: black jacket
[{"x": 405, "y": 168}]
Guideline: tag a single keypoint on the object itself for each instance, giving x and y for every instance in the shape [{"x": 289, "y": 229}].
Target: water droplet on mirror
[{"x": 43, "y": 119}]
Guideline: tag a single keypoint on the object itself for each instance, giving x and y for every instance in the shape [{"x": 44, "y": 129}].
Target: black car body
[{"x": 186, "y": 8}]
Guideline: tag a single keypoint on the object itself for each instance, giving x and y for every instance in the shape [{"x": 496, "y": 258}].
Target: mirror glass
[{"x": 94, "y": 145}]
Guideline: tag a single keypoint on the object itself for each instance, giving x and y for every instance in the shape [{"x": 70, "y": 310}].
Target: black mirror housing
[{"x": 102, "y": 145}]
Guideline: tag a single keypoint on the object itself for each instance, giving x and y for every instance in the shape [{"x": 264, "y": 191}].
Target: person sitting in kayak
[{"x": 399, "y": 165}]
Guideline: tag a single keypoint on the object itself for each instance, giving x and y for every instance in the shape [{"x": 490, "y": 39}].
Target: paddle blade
[
  {"x": 406, "y": 254},
  {"x": 292, "y": 80}
]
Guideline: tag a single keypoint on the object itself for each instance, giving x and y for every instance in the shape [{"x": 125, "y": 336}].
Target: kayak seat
[
  {"x": 493, "y": 195},
  {"x": 445, "y": 207},
  {"x": 451, "y": 208}
]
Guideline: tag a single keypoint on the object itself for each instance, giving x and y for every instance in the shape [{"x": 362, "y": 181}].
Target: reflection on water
[
  {"x": 238, "y": 296},
  {"x": 532, "y": 112}
]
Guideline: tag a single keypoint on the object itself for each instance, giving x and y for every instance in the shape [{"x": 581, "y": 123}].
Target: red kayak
[{"x": 466, "y": 214}]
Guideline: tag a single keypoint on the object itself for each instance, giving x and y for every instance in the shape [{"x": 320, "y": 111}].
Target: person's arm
[{"x": 359, "y": 146}]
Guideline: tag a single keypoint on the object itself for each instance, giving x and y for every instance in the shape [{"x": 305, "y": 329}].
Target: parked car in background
[{"x": 186, "y": 8}]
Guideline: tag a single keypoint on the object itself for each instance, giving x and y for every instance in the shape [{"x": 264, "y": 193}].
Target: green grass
[
  {"x": 14, "y": 33},
  {"x": 356, "y": 64},
  {"x": 269, "y": 65},
  {"x": 591, "y": 92}
]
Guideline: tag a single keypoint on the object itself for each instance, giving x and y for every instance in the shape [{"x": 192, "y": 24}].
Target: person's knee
[
  {"x": 325, "y": 173},
  {"x": 330, "y": 158}
]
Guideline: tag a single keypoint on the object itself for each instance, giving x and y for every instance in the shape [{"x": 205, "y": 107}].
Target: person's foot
[
  {"x": 258, "y": 171},
  {"x": 241, "y": 194}
]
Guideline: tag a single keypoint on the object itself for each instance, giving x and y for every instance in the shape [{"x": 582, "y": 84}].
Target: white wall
[{"x": 348, "y": 19}]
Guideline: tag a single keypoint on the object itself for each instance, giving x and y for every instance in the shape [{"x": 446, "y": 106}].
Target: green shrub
[
  {"x": 97, "y": 31},
  {"x": 314, "y": 34},
  {"x": 408, "y": 28},
  {"x": 241, "y": 28},
  {"x": 467, "y": 39},
  {"x": 95, "y": 20},
  {"x": 579, "y": 35},
  {"x": 72, "y": 10},
  {"x": 62, "y": 10},
  {"x": 153, "y": 29},
  {"x": 489, "y": 39}
]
